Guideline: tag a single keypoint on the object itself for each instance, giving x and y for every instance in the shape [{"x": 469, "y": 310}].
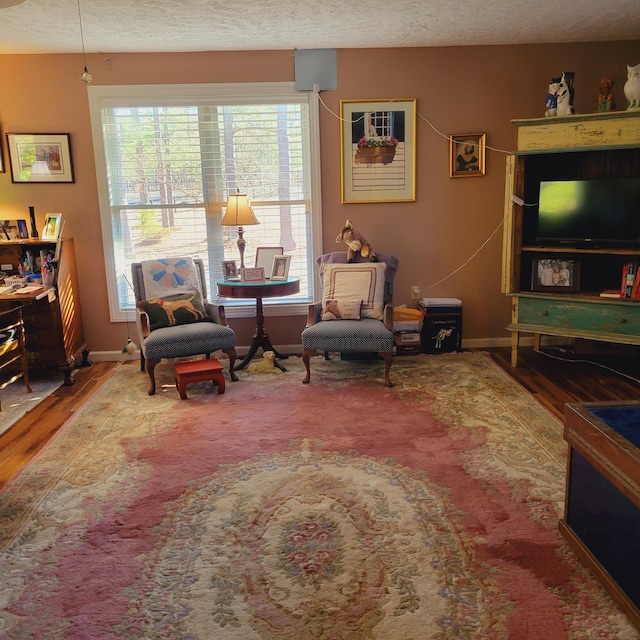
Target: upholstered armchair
[
  {"x": 355, "y": 314},
  {"x": 174, "y": 319}
]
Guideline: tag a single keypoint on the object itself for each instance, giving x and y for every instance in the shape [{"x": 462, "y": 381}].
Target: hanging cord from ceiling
[{"x": 85, "y": 75}]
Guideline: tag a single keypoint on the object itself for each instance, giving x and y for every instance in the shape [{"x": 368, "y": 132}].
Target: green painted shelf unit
[{"x": 568, "y": 148}]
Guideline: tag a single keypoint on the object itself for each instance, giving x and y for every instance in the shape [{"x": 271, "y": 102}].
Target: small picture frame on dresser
[{"x": 555, "y": 273}]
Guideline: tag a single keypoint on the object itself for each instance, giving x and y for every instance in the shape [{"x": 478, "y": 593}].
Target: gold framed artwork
[
  {"x": 378, "y": 150},
  {"x": 466, "y": 155},
  {"x": 36, "y": 157}
]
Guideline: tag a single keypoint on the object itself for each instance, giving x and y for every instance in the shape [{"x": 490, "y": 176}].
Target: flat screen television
[{"x": 590, "y": 213}]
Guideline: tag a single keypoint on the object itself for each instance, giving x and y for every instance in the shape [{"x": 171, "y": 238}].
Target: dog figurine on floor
[{"x": 266, "y": 365}]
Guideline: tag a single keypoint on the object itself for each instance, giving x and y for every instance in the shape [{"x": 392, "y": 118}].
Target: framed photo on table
[
  {"x": 466, "y": 154},
  {"x": 252, "y": 275},
  {"x": 40, "y": 157},
  {"x": 555, "y": 274},
  {"x": 280, "y": 268},
  {"x": 265, "y": 256},
  {"x": 378, "y": 150},
  {"x": 230, "y": 270},
  {"x": 51, "y": 229}
]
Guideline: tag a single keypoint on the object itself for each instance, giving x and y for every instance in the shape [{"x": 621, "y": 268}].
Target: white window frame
[{"x": 224, "y": 93}]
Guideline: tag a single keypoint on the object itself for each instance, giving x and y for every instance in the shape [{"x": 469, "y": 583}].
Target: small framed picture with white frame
[
  {"x": 280, "y": 269},
  {"x": 51, "y": 229}
]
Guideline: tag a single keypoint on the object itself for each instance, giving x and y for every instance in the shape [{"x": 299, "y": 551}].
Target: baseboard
[{"x": 290, "y": 349}]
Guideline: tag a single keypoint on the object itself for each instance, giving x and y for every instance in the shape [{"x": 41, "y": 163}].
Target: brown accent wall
[{"x": 458, "y": 90}]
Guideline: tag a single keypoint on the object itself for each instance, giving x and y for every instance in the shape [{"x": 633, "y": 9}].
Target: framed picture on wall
[
  {"x": 378, "y": 150},
  {"x": 466, "y": 155},
  {"x": 555, "y": 274},
  {"x": 40, "y": 157}
]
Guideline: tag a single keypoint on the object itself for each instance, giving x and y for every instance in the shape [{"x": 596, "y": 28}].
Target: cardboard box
[{"x": 407, "y": 343}]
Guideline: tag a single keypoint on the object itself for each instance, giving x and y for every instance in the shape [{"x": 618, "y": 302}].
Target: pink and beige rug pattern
[{"x": 339, "y": 510}]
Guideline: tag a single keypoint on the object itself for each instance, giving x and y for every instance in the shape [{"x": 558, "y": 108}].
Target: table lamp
[{"x": 238, "y": 214}]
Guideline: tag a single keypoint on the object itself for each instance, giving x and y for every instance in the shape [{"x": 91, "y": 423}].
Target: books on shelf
[{"x": 630, "y": 281}]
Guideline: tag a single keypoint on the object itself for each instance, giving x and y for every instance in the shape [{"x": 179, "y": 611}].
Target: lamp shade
[{"x": 239, "y": 212}]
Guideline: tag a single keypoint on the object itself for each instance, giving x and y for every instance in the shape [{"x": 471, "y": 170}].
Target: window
[{"x": 168, "y": 156}]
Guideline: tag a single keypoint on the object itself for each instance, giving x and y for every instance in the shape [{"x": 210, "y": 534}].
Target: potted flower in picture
[{"x": 376, "y": 150}]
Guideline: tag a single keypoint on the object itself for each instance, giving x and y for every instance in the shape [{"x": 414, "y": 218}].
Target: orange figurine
[{"x": 605, "y": 100}]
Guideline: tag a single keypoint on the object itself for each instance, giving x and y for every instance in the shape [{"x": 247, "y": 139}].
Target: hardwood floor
[
  {"x": 552, "y": 381},
  {"x": 31, "y": 433}
]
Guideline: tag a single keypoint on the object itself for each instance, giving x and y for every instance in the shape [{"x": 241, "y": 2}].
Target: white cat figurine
[
  {"x": 565, "y": 94},
  {"x": 632, "y": 88}
]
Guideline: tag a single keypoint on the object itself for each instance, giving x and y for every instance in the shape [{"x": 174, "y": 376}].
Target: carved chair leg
[
  {"x": 151, "y": 369},
  {"x": 231, "y": 353},
  {"x": 306, "y": 355},
  {"x": 142, "y": 361},
  {"x": 388, "y": 359}
]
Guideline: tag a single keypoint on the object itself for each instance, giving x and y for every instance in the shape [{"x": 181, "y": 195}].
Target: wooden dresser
[{"x": 52, "y": 318}]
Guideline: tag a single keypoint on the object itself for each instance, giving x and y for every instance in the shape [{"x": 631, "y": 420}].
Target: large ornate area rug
[{"x": 338, "y": 510}]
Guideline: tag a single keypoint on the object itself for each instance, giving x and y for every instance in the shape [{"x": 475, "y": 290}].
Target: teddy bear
[
  {"x": 356, "y": 242},
  {"x": 266, "y": 365}
]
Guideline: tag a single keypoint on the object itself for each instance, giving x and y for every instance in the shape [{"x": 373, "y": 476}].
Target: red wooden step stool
[{"x": 198, "y": 371}]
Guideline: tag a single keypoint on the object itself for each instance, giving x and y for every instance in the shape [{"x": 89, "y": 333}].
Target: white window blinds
[{"x": 167, "y": 157}]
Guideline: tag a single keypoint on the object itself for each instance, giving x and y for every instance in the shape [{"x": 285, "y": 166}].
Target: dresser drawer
[{"x": 580, "y": 315}]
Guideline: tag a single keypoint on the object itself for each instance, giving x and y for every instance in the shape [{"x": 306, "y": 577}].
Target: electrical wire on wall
[{"x": 447, "y": 137}]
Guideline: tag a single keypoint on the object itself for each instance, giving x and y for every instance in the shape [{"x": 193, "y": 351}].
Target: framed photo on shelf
[
  {"x": 555, "y": 274},
  {"x": 467, "y": 154},
  {"x": 265, "y": 256},
  {"x": 378, "y": 150},
  {"x": 13, "y": 230},
  {"x": 51, "y": 229},
  {"x": 230, "y": 270},
  {"x": 40, "y": 157},
  {"x": 255, "y": 274},
  {"x": 280, "y": 268}
]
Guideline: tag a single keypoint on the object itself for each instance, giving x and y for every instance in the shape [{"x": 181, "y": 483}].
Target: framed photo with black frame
[
  {"x": 555, "y": 273},
  {"x": 40, "y": 157}
]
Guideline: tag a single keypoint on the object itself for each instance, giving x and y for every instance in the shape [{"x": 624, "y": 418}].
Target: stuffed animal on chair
[{"x": 356, "y": 242}]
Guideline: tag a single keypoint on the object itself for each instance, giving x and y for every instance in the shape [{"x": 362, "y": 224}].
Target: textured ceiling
[{"x": 53, "y": 26}]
